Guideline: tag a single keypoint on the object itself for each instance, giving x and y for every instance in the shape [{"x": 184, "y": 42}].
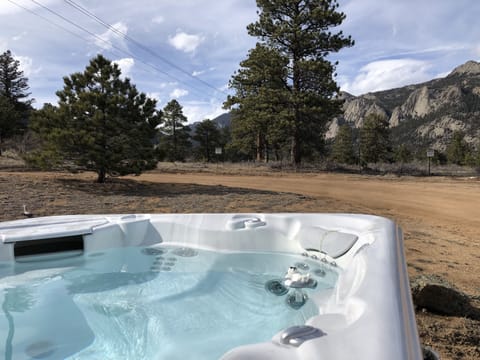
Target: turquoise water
[{"x": 147, "y": 303}]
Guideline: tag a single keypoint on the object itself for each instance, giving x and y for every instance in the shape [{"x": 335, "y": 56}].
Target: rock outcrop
[{"x": 426, "y": 114}]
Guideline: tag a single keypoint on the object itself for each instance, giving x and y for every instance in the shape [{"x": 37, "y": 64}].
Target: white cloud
[
  {"x": 201, "y": 72},
  {"x": 154, "y": 95},
  {"x": 6, "y": 7},
  {"x": 167, "y": 84},
  {"x": 105, "y": 40},
  {"x": 178, "y": 93},
  {"x": 387, "y": 74},
  {"x": 19, "y": 36},
  {"x": 158, "y": 19},
  {"x": 3, "y": 45},
  {"x": 125, "y": 66},
  {"x": 199, "y": 111},
  {"x": 26, "y": 65},
  {"x": 186, "y": 42}
]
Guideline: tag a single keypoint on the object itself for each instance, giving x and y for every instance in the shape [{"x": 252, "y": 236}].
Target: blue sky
[{"x": 191, "y": 48}]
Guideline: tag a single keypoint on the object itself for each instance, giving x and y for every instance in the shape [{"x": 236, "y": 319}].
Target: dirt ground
[{"x": 440, "y": 216}]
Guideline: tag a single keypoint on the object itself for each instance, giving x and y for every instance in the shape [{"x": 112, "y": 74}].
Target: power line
[
  {"x": 137, "y": 43},
  {"x": 155, "y": 68},
  {"x": 98, "y": 37},
  {"x": 47, "y": 20}
]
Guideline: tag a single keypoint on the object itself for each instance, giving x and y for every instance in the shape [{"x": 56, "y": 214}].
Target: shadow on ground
[{"x": 128, "y": 187}]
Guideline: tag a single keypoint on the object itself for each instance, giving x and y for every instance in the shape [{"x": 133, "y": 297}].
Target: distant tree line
[
  {"x": 372, "y": 143},
  {"x": 104, "y": 124}
]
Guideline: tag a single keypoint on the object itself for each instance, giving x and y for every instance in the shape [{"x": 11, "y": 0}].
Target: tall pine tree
[
  {"x": 375, "y": 139},
  {"x": 298, "y": 30},
  {"x": 174, "y": 132},
  {"x": 102, "y": 123},
  {"x": 14, "y": 102},
  {"x": 258, "y": 103},
  {"x": 208, "y": 137},
  {"x": 343, "y": 150}
]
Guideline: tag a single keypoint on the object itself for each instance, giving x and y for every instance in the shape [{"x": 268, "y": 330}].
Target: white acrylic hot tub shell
[{"x": 368, "y": 315}]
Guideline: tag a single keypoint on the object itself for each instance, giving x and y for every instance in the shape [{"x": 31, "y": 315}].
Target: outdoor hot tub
[{"x": 205, "y": 286}]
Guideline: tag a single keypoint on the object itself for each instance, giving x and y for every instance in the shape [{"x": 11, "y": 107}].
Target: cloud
[
  {"x": 7, "y": 7},
  {"x": 201, "y": 72},
  {"x": 199, "y": 111},
  {"x": 186, "y": 42},
  {"x": 19, "y": 36},
  {"x": 26, "y": 65},
  {"x": 154, "y": 95},
  {"x": 158, "y": 19},
  {"x": 105, "y": 40},
  {"x": 178, "y": 93},
  {"x": 387, "y": 74},
  {"x": 125, "y": 66}
]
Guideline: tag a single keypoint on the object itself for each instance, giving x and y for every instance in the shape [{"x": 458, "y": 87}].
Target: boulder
[{"x": 436, "y": 295}]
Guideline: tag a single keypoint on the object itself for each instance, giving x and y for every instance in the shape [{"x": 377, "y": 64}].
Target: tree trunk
[
  {"x": 295, "y": 155},
  {"x": 259, "y": 145},
  {"x": 102, "y": 174}
]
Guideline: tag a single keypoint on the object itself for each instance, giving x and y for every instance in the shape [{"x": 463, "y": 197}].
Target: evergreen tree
[
  {"x": 14, "y": 105},
  {"x": 457, "y": 150},
  {"x": 9, "y": 119},
  {"x": 257, "y": 106},
  {"x": 375, "y": 139},
  {"x": 403, "y": 154},
  {"x": 343, "y": 150},
  {"x": 209, "y": 137},
  {"x": 298, "y": 32},
  {"x": 13, "y": 84},
  {"x": 174, "y": 133},
  {"x": 102, "y": 123}
]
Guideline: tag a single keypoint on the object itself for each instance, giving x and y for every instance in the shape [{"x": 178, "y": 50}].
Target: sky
[{"x": 189, "y": 49}]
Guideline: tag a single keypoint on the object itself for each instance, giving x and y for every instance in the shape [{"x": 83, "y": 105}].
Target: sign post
[
  {"x": 430, "y": 154},
  {"x": 218, "y": 152}
]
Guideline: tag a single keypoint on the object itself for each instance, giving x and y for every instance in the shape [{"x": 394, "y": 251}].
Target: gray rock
[
  {"x": 436, "y": 295},
  {"x": 429, "y": 354}
]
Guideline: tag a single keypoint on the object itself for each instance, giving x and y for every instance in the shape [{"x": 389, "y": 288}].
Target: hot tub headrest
[{"x": 332, "y": 242}]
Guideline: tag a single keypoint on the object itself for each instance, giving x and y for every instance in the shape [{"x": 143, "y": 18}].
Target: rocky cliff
[{"x": 425, "y": 114}]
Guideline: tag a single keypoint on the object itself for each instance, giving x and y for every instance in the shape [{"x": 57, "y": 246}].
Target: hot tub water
[{"x": 149, "y": 303}]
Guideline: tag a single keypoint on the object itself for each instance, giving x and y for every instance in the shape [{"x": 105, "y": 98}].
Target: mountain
[
  {"x": 223, "y": 120},
  {"x": 423, "y": 115}
]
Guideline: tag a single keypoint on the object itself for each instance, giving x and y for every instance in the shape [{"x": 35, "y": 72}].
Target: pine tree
[
  {"x": 102, "y": 123},
  {"x": 14, "y": 105},
  {"x": 256, "y": 107},
  {"x": 343, "y": 151},
  {"x": 208, "y": 137},
  {"x": 298, "y": 32},
  {"x": 174, "y": 133},
  {"x": 403, "y": 154},
  {"x": 457, "y": 149},
  {"x": 375, "y": 139},
  {"x": 8, "y": 120},
  {"x": 13, "y": 83}
]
